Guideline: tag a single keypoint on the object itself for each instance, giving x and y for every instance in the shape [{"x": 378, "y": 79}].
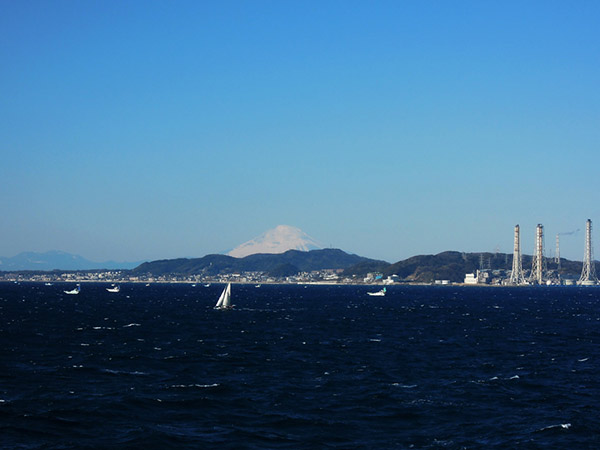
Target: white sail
[
  {"x": 225, "y": 298},
  {"x": 221, "y": 298}
]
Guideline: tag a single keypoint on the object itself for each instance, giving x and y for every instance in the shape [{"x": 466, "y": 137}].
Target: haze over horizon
[{"x": 153, "y": 130}]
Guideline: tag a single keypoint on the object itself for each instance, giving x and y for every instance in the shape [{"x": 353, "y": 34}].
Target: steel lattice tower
[
  {"x": 588, "y": 273},
  {"x": 537, "y": 265},
  {"x": 557, "y": 259},
  {"x": 516, "y": 276}
]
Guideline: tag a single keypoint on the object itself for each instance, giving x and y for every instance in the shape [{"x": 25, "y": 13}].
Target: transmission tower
[
  {"x": 537, "y": 265},
  {"x": 557, "y": 256},
  {"x": 516, "y": 276},
  {"x": 588, "y": 273}
]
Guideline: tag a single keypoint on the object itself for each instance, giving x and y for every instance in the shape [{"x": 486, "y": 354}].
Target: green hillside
[{"x": 270, "y": 263}]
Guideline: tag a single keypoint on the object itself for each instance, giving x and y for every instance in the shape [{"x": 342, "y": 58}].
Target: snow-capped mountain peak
[{"x": 278, "y": 240}]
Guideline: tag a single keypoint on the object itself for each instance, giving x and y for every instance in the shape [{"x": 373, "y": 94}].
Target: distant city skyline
[{"x": 152, "y": 130}]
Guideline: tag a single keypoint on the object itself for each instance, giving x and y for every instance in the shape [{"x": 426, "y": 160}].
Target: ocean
[{"x": 299, "y": 367}]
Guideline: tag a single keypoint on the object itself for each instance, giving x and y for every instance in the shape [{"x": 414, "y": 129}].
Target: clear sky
[{"x": 159, "y": 129}]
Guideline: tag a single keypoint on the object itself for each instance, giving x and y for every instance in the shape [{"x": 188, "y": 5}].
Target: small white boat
[
  {"x": 47, "y": 284},
  {"x": 380, "y": 293},
  {"x": 207, "y": 285},
  {"x": 74, "y": 291},
  {"x": 114, "y": 288},
  {"x": 257, "y": 286},
  {"x": 224, "y": 301}
]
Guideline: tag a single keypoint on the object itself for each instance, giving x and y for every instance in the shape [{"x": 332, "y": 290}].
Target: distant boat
[
  {"x": 47, "y": 284},
  {"x": 225, "y": 298},
  {"x": 380, "y": 293},
  {"x": 116, "y": 288},
  {"x": 207, "y": 285},
  {"x": 258, "y": 285},
  {"x": 74, "y": 291}
]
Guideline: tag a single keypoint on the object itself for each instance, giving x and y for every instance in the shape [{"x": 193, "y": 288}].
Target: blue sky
[{"x": 145, "y": 129}]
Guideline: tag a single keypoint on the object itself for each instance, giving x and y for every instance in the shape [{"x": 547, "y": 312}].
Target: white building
[{"x": 471, "y": 278}]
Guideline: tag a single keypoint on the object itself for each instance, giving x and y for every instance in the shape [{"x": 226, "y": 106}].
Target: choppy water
[{"x": 299, "y": 367}]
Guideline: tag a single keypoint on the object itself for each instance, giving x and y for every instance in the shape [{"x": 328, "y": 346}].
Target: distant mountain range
[
  {"x": 449, "y": 265},
  {"x": 275, "y": 241},
  {"x": 422, "y": 268},
  {"x": 57, "y": 260}
]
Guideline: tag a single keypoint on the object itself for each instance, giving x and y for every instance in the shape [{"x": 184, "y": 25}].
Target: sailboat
[
  {"x": 116, "y": 288},
  {"x": 74, "y": 291},
  {"x": 225, "y": 298},
  {"x": 380, "y": 293}
]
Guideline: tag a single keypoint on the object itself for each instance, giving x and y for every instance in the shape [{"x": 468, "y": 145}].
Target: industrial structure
[
  {"x": 557, "y": 256},
  {"x": 516, "y": 275},
  {"x": 588, "y": 273},
  {"x": 538, "y": 261},
  {"x": 540, "y": 273}
]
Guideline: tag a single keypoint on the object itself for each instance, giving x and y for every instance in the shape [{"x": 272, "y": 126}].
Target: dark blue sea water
[{"x": 294, "y": 367}]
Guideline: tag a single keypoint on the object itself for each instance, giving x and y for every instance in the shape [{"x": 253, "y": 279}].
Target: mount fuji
[{"x": 278, "y": 240}]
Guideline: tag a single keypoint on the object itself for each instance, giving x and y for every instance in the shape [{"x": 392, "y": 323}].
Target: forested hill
[
  {"x": 222, "y": 264},
  {"x": 454, "y": 265},
  {"x": 449, "y": 265}
]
